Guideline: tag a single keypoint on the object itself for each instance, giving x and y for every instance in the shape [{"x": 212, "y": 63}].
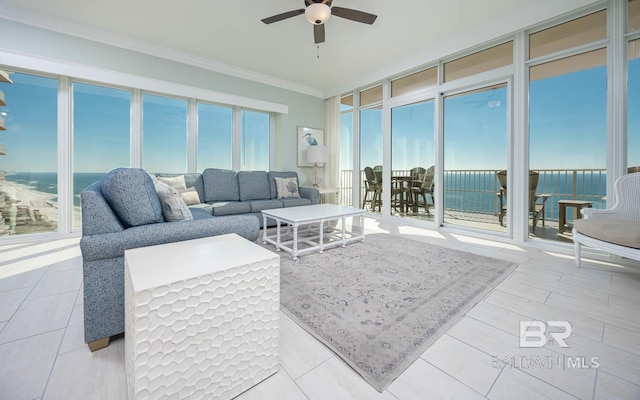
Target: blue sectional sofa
[
  {"x": 225, "y": 192},
  {"x": 122, "y": 211}
]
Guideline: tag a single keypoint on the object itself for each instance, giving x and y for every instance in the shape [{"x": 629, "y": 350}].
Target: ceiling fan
[{"x": 318, "y": 12}]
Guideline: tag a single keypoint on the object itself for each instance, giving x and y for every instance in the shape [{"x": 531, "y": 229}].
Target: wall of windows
[
  {"x": 215, "y": 136},
  {"x": 254, "y": 140},
  {"x": 101, "y": 135},
  {"x": 29, "y": 167},
  {"x": 164, "y": 134},
  {"x": 543, "y": 102},
  {"x": 107, "y": 127}
]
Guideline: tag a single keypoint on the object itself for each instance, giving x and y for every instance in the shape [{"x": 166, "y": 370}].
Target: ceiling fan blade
[
  {"x": 354, "y": 15},
  {"x": 318, "y": 33},
  {"x": 280, "y": 17}
]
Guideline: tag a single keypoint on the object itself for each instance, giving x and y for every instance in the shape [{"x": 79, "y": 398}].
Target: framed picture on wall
[{"x": 308, "y": 137}]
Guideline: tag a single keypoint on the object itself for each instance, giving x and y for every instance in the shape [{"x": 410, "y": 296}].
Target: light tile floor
[{"x": 43, "y": 355}]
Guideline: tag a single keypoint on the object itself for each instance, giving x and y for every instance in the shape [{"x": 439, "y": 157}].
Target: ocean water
[
  {"x": 464, "y": 191},
  {"x": 471, "y": 191},
  {"x": 47, "y": 182}
]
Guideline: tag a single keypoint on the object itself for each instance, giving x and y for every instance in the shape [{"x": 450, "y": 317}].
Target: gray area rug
[{"x": 379, "y": 304}]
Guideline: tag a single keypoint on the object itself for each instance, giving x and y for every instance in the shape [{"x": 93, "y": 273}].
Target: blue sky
[
  {"x": 101, "y": 126},
  {"x": 567, "y": 128}
]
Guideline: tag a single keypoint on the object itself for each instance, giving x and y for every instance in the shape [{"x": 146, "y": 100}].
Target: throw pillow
[
  {"x": 132, "y": 197},
  {"x": 176, "y": 182},
  {"x": 190, "y": 196},
  {"x": 287, "y": 187},
  {"x": 173, "y": 207}
]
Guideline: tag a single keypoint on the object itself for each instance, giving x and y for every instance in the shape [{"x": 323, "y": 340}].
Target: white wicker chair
[{"x": 617, "y": 229}]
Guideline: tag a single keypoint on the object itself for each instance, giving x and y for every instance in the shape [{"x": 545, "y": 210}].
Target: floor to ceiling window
[
  {"x": 476, "y": 129},
  {"x": 633, "y": 90},
  {"x": 346, "y": 150},
  {"x": 215, "y": 136},
  {"x": 413, "y": 160},
  {"x": 475, "y": 149},
  {"x": 164, "y": 134},
  {"x": 413, "y": 145},
  {"x": 255, "y": 140},
  {"x": 29, "y": 176},
  {"x": 372, "y": 192},
  {"x": 567, "y": 118},
  {"x": 101, "y": 136}
]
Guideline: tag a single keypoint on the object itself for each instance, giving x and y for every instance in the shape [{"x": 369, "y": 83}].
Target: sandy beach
[{"x": 39, "y": 206}]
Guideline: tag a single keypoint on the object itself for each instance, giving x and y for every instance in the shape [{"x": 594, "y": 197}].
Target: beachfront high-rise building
[{"x": 5, "y": 203}]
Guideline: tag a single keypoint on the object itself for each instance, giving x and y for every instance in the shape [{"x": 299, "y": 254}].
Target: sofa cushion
[
  {"x": 230, "y": 208},
  {"x": 176, "y": 182},
  {"x": 190, "y": 196},
  {"x": 622, "y": 233},
  {"x": 286, "y": 187},
  {"x": 279, "y": 174},
  {"x": 259, "y": 205},
  {"x": 220, "y": 185},
  {"x": 132, "y": 196},
  {"x": 173, "y": 206},
  {"x": 296, "y": 202},
  {"x": 191, "y": 179},
  {"x": 254, "y": 185}
]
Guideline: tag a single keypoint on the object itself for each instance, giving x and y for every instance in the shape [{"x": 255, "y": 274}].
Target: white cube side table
[{"x": 201, "y": 318}]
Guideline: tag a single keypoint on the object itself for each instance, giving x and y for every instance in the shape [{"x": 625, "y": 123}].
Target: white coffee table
[
  {"x": 201, "y": 318},
  {"x": 309, "y": 215}
]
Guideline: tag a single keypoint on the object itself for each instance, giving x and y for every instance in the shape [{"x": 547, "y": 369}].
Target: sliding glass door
[
  {"x": 476, "y": 129},
  {"x": 413, "y": 160}
]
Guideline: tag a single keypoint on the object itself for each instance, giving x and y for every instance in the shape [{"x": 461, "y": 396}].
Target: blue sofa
[
  {"x": 122, "y": 211},
  {"x": 225, "y": 192}
]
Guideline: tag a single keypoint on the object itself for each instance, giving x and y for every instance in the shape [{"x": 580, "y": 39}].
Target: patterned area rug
[{"x": 379, "y": 304}]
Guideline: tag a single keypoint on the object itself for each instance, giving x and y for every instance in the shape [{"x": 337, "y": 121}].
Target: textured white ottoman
[{"x": 201, "y": 318}]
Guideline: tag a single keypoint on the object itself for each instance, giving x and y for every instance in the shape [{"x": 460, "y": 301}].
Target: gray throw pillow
[{"x": 173, "y": 206}]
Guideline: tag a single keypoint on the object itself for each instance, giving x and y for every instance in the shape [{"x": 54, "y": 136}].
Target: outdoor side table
[
  {"x": 201, "y": 318},
  {"x": 562, "y": 211}
]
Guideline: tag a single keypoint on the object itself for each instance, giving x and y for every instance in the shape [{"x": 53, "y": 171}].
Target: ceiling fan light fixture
[{"x": 317, "y": 13}]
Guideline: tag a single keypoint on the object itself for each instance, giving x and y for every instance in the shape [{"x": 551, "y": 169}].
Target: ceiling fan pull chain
[{"x": 317, "y": 51}]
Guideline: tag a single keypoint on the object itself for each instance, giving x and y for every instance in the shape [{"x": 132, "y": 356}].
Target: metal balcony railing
[{"x": 474, "y": 191}]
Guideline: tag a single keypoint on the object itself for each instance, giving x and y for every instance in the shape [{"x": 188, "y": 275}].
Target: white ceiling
[{"x": 227, "y": 35}]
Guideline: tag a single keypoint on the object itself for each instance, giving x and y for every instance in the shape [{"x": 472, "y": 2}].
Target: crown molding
[{"x": 82, "y": 31}]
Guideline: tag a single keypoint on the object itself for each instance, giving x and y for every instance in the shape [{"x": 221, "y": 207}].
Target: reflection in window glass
[
  {"x": 255, "y": 141},
  {"x": 371, "y": 96},
  {"x": 346, "y": 158},
  {"x": 485, "y": 60},
  {"x": 412, "y": 155},
  {"x": 215, "y": 136},
  {"x": 29, "y": 176},
  {"x": 101, "y": 125},
  {"x": 633, "y": 82},
  {"x": 164, "y": 134},
  {"x": 571, "y": 34},
  {"x": 568, "y": 133},
  {"x": 633, "y": 15},
  {"x": 414, "y": 82},
  {"x": 475, "y": 148},
  {"x": 370, "y": 149},
  {"x": 346, "y": 103}
]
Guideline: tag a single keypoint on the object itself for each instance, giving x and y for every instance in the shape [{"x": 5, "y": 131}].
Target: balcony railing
[{"x": 474, "y": 191}]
